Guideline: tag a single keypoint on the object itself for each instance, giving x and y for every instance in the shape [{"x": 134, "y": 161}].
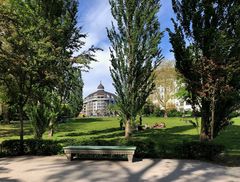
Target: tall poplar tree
[
  {"x": 135, "y": 54},
  {"x": 206, "y": 44}
]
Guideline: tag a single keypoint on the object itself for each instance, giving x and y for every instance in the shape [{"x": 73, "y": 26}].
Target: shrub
[
  {"x": 11, "y": 147},
  {"x": 66, "y": 111},
  {"x": 42, "y": 147},
  {"x": 144, "y": 148},
  {"x": 198, "y": 150},
  {"x": 188, "y": 113},
  {"x": 174, "y": 113},
  {"x": 31, "y": 147},
  {"x": 41, "y": 116},
  {"x": 148, "y": 109},
  {"x": 158, "y": 112}
]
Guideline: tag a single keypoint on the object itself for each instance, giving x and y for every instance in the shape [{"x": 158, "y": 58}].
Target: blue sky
[{"x": 94, "y": 16}]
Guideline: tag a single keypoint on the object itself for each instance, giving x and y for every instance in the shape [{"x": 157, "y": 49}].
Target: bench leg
[
  {"x": 69, "y": 157},
  {"x": 130, "y": 158}
]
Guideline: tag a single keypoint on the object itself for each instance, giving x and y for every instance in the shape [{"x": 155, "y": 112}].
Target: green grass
[
  {"x": 108, "y": 129},
  {"x": 176, "y": 131}
]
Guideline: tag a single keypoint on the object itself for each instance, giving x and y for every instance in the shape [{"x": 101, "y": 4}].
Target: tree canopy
[
  {"x": 166, "y": 86},
  {"x": 38, "y": 39}
]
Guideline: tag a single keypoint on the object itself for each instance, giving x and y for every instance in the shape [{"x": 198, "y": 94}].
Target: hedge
[{"x": 31, "y": 147}]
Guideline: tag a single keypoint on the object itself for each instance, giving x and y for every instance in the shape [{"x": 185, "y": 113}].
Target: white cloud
[
  {"x": 95, "y": 20},
  {"x": 99, "y": 72}
]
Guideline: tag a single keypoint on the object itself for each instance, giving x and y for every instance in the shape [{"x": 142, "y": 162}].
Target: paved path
[{"x": 57, "y": 168}]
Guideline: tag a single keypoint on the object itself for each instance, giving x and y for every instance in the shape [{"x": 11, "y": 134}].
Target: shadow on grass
[
  {"x": 110, "y": 135},
  {"x": 175, "y": 129},
  {"x": 114, "y": 136},
  {"x": 86, "y": 120},
  {"x": 167, "y": 134},
  {"x": 14, "y": 132},
  {"x": 69, "y": 125},
  {"x": 230, "y": 137},
  {"x": 93, "y": 132}
]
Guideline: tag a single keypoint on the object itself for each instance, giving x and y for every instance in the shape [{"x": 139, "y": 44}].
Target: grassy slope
[{"x": 176, "y": 131}]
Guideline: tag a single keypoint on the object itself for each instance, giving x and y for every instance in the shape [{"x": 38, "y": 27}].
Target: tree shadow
[
  {"x": 168, "y": 135},
  {"x": 230, "y": 137},
  {"x": 8, "y": 180},
  {"x": 172, "y": 130},
  {"x": 59, "y": 169},
  {"x": 3, "y": 170},
  {"x": 92, "y": 132},
  {"x": 147, "y": 170},
  {"x": 86, "y": 120},
  {"x": 68, "y": 126},
  {"x": 14, "y": 132}
]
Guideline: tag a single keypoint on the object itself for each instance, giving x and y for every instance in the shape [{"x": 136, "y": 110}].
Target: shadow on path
[{"x": 57, "y": 168}]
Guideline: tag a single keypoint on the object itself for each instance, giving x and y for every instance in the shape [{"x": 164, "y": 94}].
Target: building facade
[
  {"x": 96, "y": 103},
  {"x": 167, "y": 99}
]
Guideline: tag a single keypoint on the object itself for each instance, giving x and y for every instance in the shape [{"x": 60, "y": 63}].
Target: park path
[{"x": 58, "y": 169}]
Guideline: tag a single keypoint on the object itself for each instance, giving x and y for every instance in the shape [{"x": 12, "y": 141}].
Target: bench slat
[{"x": 100, "y": 148}]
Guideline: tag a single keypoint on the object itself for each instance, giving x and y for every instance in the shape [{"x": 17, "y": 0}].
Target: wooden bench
[{"x": 70, "y": 151}]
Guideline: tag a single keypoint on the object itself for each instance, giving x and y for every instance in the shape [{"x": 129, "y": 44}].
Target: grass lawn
[
  {"x": 107, "y": 129},
  {"x": 176, "y": 131}
]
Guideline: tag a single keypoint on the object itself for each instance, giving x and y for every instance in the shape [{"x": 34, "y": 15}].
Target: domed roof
[
  {"x": 100, "y": 86},
  {"x": 101, "y": 92}
]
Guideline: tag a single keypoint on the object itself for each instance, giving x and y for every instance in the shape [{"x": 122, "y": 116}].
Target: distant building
[
  {"x": 173, "y": 102},
  {"x": 96, "y": 104}
]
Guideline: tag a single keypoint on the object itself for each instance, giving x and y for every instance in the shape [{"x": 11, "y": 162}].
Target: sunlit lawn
[{"x": 176, "y": 131}]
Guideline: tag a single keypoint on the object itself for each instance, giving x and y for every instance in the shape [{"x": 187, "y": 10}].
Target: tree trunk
[
  {"x": 203, "y": 136},
  {"x": 50, "y": 132},
  {"x": 204, "y": 130},
  {"x": 128, "y": 130},
  {"x": 38, "y": 134},
  {"x": 140, "y": 120},
  {"x": 204, "y": 133},
  {"x": 5, "y": 114},
  {"x": 165, "y": 107},
  {"x": 21, "y": 130},
  {"x": 165, "y": 114},
  {"x": 213, "y": 117}
]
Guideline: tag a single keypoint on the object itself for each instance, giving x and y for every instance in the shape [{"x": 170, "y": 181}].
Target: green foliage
[
  {"x": 145, "y": 148},
  {"x": 158, "y": 112},
  {"x": 41, "y": 116},
  {"x": 135, "y": 53},
  {"x": 148, "y": 109},
  {"x": 174, "y": 113},
  {"x": 66, "y": 111},
  {"x": 198, "y": 150},
  {"x": 113, "y": 109},
  {"x": 37, "y": 43},
  {"x": 31, "y": 147},
  {"x": 234, "y": 114},
  {"x": 71, "y": 93},
  {"x": 206, "y": 45}
]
